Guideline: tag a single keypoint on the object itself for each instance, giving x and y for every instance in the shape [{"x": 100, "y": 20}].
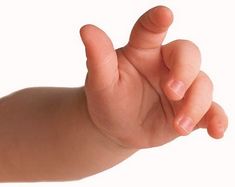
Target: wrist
[
  {"x": 83, "y": 111},
  {"x": 110, "y": 152}
]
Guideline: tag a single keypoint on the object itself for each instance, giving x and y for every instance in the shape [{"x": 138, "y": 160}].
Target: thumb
[{"x": 102, "y": 61}]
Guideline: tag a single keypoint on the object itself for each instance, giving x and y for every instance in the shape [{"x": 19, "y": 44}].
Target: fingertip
[
  {"x": 88, "y": 27},
  {"x": 217, "y": 121},
  {"x": 216, "y": 133},
  {"x": 84, "y": 28},
  {"x": 95, "y": 38},
  {"x": 88, "y": 30},
  {"x": 161, "y": 16},
  {"x": 217, "y": 127},
  {"x": 150, "y": 29},
  {"x": 84, "y": 32}
]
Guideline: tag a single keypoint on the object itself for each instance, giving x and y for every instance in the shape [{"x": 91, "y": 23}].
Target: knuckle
[
  {"x": 203, "y": 77},
  {"x": 187, "y": 44}
]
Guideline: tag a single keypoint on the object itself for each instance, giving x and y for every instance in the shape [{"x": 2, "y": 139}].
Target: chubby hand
[{"x": 146, "y": 94}]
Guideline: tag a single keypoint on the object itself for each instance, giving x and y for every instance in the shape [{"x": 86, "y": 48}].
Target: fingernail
[
  {"x": 177, "y": 86},
  {"x": 186, "y": 124}
]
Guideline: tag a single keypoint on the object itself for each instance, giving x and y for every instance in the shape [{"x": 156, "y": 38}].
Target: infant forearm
[{"x": 46, "y": 135}]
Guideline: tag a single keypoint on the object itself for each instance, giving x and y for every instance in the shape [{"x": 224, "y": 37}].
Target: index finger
[{"x": 150, "y": 29}]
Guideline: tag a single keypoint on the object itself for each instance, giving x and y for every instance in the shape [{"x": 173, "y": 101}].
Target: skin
[
  {"x": 142, "y": 95},
  {"x": 132, "y": 85}
]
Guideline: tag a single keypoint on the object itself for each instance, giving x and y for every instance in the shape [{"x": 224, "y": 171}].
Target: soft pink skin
[
  {"x": 54, "y": 134},
  {"x": 128, "y": 90}
]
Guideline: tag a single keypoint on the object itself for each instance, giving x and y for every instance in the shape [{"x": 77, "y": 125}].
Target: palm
[
  {"x": 132, "y": 106},
  {"x": 150, "y": 113}
]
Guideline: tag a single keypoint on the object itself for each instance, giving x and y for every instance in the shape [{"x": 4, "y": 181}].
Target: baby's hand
[{"x": 147, "y": 94}]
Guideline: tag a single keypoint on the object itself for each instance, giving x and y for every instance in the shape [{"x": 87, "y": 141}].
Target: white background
[{"x": 40, "y": 46}]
